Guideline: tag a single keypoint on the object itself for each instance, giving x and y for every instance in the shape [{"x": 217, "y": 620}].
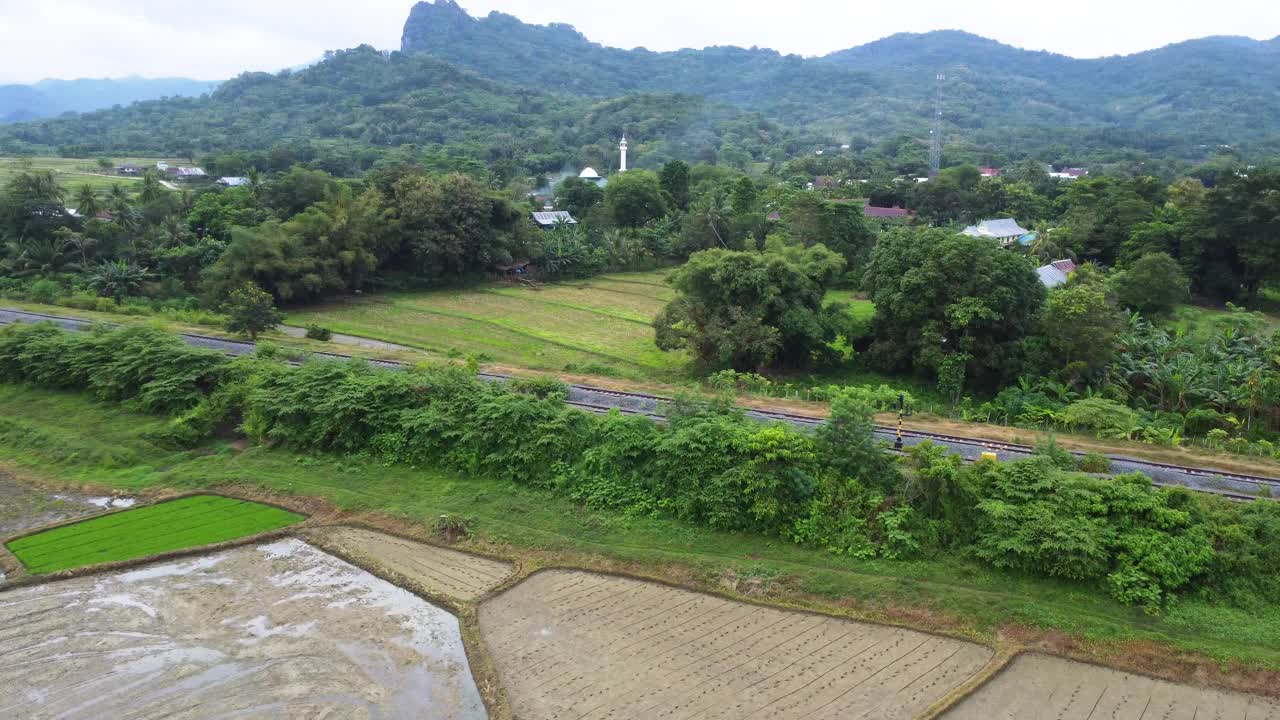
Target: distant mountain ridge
[
  {"x": 49, "y": 98},
  {"x": 1212, "y": 90}
]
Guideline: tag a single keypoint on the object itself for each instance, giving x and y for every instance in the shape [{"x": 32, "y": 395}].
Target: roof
[
  {"x": 1056, "y": 272},
  {"x": 185, "y": 171},
  {"x": 1002, "y": 228},
  {"x": 233, "y": 181},
  {"x": 989, "y": 171},
  {"x": 547, "y": 219},
  {"x": 885, "y": 212},
  {"x": 589, "y": 173}
]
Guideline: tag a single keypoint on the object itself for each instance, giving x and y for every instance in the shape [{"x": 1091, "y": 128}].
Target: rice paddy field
[
  {"x": 174, "y": 525},
  {"x": 601, "y": 326},
  {"x": 74, "y": 172}
]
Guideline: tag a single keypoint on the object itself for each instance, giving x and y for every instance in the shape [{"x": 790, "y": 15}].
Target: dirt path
[
  {"x": 452, "y": 574},
  {"x": 281, "y": 631},
  {"x": 580, "y": 645},
  {"x": 352, "y": 340},
  {"x": 1039, "y": 686}
]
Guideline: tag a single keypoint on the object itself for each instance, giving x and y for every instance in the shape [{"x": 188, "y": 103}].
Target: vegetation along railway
[{"x": 1233, "y": 485}]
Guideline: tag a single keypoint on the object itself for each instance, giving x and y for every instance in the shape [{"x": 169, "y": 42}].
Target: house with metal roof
[
  {"x": 886, "y": 213},
  {"x": 1056, "y": 272},
  {"x": 548, "y": 220},
  {"x": 1006, "y": 230},
  {"x": 233, "y": 181}
]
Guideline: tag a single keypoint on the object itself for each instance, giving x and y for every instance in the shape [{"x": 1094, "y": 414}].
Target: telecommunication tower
[{"x": 935, "y": 135}]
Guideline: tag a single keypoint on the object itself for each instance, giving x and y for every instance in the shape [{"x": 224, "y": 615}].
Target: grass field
[
  {"x": 74, "y": 172},
  {"x": 66, "y": 437},
  {"x": 601, "y": 326},
  {"x": 175, "y": 525}
]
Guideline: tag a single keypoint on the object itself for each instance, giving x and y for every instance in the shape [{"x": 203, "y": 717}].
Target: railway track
[{"x": 1233, "y": 485}]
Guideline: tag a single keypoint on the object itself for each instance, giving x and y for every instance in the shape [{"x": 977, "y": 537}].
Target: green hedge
[{"x": 834, "y": 488}]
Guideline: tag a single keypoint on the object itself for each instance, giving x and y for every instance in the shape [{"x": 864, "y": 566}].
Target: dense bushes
[{"x": 708, "y": 464}]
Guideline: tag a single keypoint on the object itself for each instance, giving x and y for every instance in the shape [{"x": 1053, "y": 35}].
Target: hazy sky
[{"x": 216, "y": 39}]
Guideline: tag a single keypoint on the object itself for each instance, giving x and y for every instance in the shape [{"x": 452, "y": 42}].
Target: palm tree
[
  {"x": 118, "y": 279},
  {"x": 43, "y": 257},
  {"x": 714, "y": 210},
  {"x": 87, "y": 202},
  {"x": 152, "y": 190}
]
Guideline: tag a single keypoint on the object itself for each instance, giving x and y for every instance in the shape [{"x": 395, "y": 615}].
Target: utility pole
[{"x": 935, "y": 135}]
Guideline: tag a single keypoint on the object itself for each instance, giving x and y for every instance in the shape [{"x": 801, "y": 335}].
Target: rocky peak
[{"x": 433, "y": 19}]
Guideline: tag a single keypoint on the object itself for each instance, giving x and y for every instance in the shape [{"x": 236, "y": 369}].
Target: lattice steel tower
[{"x": 935, "y": 135}]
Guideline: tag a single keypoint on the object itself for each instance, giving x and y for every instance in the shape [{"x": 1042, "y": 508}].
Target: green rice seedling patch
[{"x": 164, "y": 527}]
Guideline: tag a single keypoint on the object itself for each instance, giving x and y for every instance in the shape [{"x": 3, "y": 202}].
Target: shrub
[
  {"x": 1105, "y": 417},
  {"x": 44, "y": 291},
  {"x": 319, "y": 332},
  {"x": 1095, "y": 463},
  {"x": 541, "y": 387}
]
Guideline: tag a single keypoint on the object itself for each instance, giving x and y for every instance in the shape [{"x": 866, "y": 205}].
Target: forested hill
[
  {"x": 352, "y": 107},
  {"x": 1210, "y": 91}
]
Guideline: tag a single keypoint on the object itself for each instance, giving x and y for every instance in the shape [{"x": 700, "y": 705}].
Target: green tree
[
  {"x": 937, "y": 293},
  {"x": 749, "y": 310},
  {"x": 1079, "y": 326},
  {"x": 634, "y": 198},
  {"x": 251, "y": 310},
  {"x": 1244, "y": 218},
  {"x": 118, "y": 279},
  {"x": 674, "y": 178},
  {"x": 1154, "y": 284},
  {"x": 87, "y": 202},
  {"x": 152, "y": 190},
  {"x": 578, "y": 196}
]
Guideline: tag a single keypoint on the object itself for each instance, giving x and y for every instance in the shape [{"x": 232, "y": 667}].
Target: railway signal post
[{"x": 897, "y": 443}]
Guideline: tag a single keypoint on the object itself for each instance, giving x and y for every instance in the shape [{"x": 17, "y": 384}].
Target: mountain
[
  {"x": 1211, "y": 91},
  {"x": 356, "y": 103},
  {"x": 48, "y": 98}
]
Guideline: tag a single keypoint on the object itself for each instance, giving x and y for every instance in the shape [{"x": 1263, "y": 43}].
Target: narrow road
[{"x": 1234, "y": 485}]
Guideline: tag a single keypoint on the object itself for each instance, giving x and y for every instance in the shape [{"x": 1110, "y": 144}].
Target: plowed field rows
[
  {"x": 186, "y": 522},
  {"x": 1039, "y": 686},
  {"x": 580, "y": 645},
  {"x": 455, "y": 574}
]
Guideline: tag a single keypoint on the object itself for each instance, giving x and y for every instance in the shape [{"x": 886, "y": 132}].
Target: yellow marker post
[{"x": 990, "y": 456}]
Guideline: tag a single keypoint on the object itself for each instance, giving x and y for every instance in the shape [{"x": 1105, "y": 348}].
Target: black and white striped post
[{"x": 897, "y": 443}]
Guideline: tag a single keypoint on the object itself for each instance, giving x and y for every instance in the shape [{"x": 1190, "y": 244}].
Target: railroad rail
[{"x": 1229, "y": 484}]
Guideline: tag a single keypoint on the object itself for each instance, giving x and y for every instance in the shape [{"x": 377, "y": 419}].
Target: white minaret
[{"x": 623, "y": 147}]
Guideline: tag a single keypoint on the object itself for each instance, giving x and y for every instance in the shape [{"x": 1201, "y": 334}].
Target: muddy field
[
  {"x": 23, "y": 507},
  {"x": 580, "y": 645},
  {"x": 1039, "y": 686},
  {"x": 452, "y": 574},
  {"x": 280, "y": 630}
]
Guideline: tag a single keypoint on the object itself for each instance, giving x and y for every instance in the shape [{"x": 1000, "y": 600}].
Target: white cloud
[{"x": 214, "y": 40}]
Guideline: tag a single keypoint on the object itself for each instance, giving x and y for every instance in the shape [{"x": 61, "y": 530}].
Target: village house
[
  {"x": 128, "y": 170},
  {"x": 184, "y": 174},
  {"x": 549, "y": 220},
  {"x": 886, "y": 213},
  {"x": 233, "y": 181},
  {"x": 1056, "y": 272},
  {"x": 1006, "y": 230}
]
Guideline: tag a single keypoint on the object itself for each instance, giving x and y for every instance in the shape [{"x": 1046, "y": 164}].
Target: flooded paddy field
[
  {"x": 278, "y": 630},
  {"x": 1040, "y": 686},
  {"x": 580, "y": 645},
  {"x": 23, "y": 507}
]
